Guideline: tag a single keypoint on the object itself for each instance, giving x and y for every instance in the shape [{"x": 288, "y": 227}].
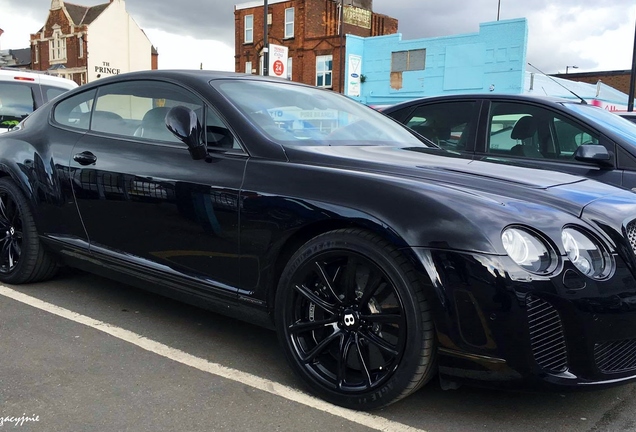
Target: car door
[
  {"x": 530, "y": 134},
  {"x": 451, "y": 125},
  {"x": 146, "y": 204}
]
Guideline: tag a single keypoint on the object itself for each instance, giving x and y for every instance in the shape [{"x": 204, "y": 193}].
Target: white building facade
[{"x": 86, "y": 43}]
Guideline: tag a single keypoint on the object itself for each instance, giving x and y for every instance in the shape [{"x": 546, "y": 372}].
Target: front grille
[
  {"x": 546, "y": 335},
  {"x": 617, "y": 356},
  {"x": 631, "y": 234}
]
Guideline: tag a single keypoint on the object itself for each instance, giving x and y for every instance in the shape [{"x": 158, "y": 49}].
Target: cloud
[
  {"x": 590, "y": 34},
  {"x": 186, "y": 52}
]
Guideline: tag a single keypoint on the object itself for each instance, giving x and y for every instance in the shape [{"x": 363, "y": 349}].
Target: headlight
[
  {"x": 528, "y": 251},
  {"x": 585, "y": 253}
]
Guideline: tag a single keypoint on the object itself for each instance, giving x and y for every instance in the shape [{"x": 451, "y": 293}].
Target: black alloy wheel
[
  {"x": 353, "y": 320},
  {"x": 10, "y": 233},
  {"x": 22, "y": 256}
]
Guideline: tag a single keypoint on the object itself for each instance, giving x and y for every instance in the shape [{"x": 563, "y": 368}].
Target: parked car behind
[
  {"x": 22, "y": 92},
  {"x": 380, "y": 261},
  {"x": 631, "y": 115},
  {"x": 543, "y": 132}
]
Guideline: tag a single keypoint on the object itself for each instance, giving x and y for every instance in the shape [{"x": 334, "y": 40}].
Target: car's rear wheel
[
  {"x": 22, "y": 257},
  {"x": 353, "y": 320}
]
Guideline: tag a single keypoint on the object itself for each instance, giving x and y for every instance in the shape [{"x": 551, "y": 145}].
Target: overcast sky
[{"x": 591, "y": 34}]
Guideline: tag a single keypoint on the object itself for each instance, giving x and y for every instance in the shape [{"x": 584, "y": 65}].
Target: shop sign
[
  {"x": 106, "y": 68},
  {"x": 278, "y": 60},
  {"x": 357, "y": 16}
]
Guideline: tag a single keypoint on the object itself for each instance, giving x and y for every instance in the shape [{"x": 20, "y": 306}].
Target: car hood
[{"x": 494, "y": 180}]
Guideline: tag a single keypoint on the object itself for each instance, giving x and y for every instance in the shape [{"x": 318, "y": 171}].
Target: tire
[
  {"x": 353, "y": 320},
  {"x": 22, "y": 257}
]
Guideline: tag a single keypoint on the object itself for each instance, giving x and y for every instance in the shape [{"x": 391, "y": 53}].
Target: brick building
[
  {"x": 618, "y": 79},
  {"x": 310, "y": 29},
  {"x": 84, "y": 43}
]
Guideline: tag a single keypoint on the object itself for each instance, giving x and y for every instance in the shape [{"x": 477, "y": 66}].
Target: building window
[
  {"x": 408, "y": 60},
  {"x": 249, "y": 29},
  {"x": 324, "y": 65},
  {"x": 81, "y": 46},
  {"x": 57, "y": 46},
  {"x": 248, "y": 67},
  {"x": 36, "y": 48},
  {"x": 289, "y": 23},
  {"x": 289, "y": 68}
]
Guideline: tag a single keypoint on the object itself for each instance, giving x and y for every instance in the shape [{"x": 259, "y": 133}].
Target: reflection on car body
[{"x": 380, "y": 260}]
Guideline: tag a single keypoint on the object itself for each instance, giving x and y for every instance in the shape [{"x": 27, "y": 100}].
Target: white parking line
[{"x": 365, "y": 419}]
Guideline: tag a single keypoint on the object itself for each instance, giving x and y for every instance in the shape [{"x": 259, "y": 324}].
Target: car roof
[
  {"x": 11, "y": 74},
  {"x": 184, "y": 74},
  {"x": 487, "y": 96}
]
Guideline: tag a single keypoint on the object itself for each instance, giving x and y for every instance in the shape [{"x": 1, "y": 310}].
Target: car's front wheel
[
  {"x": 22, "y": 257},
  {"x": 353, "y": 320}
]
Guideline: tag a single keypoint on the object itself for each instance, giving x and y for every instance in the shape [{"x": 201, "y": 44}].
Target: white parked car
[{"x": 22, "y": 92}]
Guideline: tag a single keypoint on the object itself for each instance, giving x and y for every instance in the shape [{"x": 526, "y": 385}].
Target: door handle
[{"x": 85, "y": 158}]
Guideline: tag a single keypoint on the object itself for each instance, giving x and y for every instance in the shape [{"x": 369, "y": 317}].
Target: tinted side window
[
  {"x": 138, "y": 109},
  {"x": 569, "y": 137},
  {"x": 75, "y": 111},
  {"x": 52, "y": 92},
  {"x": 446, "y": 124},
  {"x": 16, "y": 102},
  {"x": 218, "y": 135},
  {"x": 523, "y": 130}
]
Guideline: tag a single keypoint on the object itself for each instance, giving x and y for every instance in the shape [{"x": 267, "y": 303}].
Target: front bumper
[{"x": 495, "y": 328}]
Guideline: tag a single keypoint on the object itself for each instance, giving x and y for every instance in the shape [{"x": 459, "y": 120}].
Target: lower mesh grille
[
  {"x": 631, "y": 235},
  {"x": 617, "y": 356},
  {"x": 546, "y": 335}
]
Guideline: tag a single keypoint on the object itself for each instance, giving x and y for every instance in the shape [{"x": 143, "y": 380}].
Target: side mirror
[
  {"x": 183, "y": 123},
  {"x": 595, "y": 153}
]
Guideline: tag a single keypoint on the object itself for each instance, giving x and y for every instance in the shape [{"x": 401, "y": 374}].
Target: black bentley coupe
[{"x": 381, "y": 261}]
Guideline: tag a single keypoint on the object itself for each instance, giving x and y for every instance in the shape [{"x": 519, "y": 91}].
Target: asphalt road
[{"x": 122, "y": 359}]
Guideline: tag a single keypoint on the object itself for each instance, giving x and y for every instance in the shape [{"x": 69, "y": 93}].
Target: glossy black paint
[
  {"x": 218, "y": 232},
  {"x": 619, "y": 169}
]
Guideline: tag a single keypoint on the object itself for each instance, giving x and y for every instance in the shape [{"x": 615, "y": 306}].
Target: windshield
[
  {"x": 300, "y": 115},
  {"x": 618, "y": 125}
]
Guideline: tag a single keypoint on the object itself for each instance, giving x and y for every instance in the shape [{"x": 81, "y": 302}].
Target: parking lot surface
[{"x": 85, "y": 353}]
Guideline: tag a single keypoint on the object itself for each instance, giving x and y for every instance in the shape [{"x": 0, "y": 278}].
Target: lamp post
[
  {"x": 265, "y": 41},
  {"x": 632, "y": 80},
  {"x": 498, "y": 9},
  {"x": 341, "y": 77},
  {"x": 568, "y": 67}
]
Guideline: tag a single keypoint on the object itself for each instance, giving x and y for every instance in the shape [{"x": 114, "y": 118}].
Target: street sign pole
[
  {"x": 632, "y": 78},
  {"x": 265, "y": 41}
]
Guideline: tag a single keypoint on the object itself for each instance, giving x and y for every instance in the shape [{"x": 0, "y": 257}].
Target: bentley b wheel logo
[
  {"x": 349, "y": 320},
  {"x": 12, "y": 230}
]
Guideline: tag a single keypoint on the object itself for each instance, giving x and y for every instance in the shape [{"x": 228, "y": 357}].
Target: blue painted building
[{"x": 385, "y": 69}]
